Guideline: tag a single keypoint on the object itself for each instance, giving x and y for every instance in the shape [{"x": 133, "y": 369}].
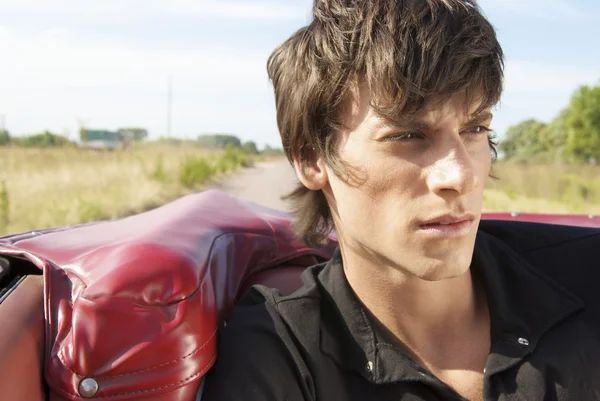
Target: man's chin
[
  {"x": 442, "y": 274},
  {"x": 437, "y": 269}
]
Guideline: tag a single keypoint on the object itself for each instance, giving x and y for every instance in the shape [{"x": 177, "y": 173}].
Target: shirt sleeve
[{"x": 254, "y": 359}]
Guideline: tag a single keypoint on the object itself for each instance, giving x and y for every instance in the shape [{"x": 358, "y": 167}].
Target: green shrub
[
  {"x": 45, "y": 139},
  {"x": 512, "y": 195},
  {"x": 90, "y": 212},
  {"x": 4, "y": 206},
  {"x": 195, "y": 171},
  {"x": 158, "y": 173},
  {"x": 231, "y": 160},
  {"x": 4, "y": 137}
]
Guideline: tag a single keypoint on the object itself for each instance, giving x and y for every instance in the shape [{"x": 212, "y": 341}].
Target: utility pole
[{"x": 169, "y": 106}]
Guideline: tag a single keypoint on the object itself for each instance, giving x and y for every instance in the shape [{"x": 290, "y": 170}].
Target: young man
[{"x": 384, "y": 108}]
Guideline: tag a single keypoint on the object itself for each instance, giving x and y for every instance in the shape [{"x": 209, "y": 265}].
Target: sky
[{"x": 106, "y": 64}]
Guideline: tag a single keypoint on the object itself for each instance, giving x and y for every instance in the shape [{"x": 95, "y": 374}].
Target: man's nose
[{"x": 455, "y": 171}]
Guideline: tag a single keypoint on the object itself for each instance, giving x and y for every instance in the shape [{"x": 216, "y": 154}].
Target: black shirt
[{"x": 543, "y": 288}]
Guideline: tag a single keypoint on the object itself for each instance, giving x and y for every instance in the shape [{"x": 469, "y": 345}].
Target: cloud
[
  {"x": 237, "y": 9},
  {"x": 522, "y": 76},
  {"x": 542, "y": 9},
  {"x": 54, "y": 78},
  {"x": 539, "y": 90},
  {"x": 136, "y": 10},
  {"x": 56, "y": 59}
]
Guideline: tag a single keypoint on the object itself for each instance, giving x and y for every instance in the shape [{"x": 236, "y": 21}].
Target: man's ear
[{"x": 312, "y": 173}]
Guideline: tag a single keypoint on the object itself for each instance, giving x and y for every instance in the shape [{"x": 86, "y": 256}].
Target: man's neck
[{"x": 432, "y": 320}]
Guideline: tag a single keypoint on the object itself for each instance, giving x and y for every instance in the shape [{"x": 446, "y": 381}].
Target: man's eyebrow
[
  {"x": 480, "y": 118},
  {"x": 416, "y": 124},
  {"x": 408, "y": 124}
]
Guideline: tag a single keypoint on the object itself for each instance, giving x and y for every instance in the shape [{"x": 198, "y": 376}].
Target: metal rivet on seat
[
  {"x": 88, "y": 387},
  {"x": 369, "y": 366},
  {"x": 523, "y": 341}
]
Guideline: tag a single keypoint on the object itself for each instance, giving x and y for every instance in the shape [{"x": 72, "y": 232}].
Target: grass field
[
  {"x": 42, "y": 188},
  {"x": 53, "y": 187},
  {"x": 544, "y": 189}
]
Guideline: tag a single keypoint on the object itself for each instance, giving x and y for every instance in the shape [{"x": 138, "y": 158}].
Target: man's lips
[
  {"x": 448, "y": 219},
  {"x": 448, "y": 226}
]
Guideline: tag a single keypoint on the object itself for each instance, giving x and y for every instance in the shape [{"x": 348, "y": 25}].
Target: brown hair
[{"x": 412, "y": 54}]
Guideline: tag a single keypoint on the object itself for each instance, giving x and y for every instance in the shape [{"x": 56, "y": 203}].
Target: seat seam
[
  {"x": 61, "y": 356},
  {"x": 187, "y": 379}
]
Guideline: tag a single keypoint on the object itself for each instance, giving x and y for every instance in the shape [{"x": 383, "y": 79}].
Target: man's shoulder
[
  {"x": 306, "y": 296},
  {"x": 259, "y": 350},
  {"x": 283, "y": 312},
  {"x": 526, "y": 237},
  {"x": 569, "y": 255}
]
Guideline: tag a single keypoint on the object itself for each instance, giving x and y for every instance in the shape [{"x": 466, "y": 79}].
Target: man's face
[{"x": 419, "y": 202}]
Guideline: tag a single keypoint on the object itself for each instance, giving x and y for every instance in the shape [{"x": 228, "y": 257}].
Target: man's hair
[{"x": 412, "y": 54}]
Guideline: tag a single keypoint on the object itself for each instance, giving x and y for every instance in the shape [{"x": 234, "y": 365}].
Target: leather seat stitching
[
  {"x": 187, "y": 379},
  {"x": 60, "y": 356}
]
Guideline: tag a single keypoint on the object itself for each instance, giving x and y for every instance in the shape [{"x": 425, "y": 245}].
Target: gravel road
[{"x": 264, "y": 183}]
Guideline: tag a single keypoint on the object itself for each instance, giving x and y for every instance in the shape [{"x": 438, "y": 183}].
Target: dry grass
[
  {"x": 42, "y": 188},
  {"x": 55, "y": 187},
  {"x": 544, "y": 189}
]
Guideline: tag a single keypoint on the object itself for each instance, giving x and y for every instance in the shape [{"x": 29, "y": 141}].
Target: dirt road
[{"x": 264, "y": 183}]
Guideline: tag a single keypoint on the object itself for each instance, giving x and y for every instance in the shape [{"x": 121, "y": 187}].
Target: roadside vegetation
[
  {"x": 572, "y": 137},
  {"x": 46, "y": 180},
  {"x": 49, "y": 186},
  {"x": 543, "y": 188},
  {"x": 551, "y": 167}
]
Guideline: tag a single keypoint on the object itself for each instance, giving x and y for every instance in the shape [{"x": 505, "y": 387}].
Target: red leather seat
[
  {"x": 22, "y": 342},
  {"x": 134, "y": 304},
  {"x": 285, "y": 277}
]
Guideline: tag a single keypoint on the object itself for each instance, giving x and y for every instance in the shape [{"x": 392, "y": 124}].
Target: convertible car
[{"x": 129, "y": 309}]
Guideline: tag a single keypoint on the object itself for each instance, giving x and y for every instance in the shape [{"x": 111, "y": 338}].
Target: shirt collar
[{"x": 524, "y": 304}]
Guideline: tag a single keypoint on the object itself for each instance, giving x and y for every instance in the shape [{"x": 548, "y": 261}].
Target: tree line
[
  {"x": 44, "y": 139},
  {"x": 225, "y": 141},
  {"x": 48, "y": 139},
  {"x": 572, "y": 137}
]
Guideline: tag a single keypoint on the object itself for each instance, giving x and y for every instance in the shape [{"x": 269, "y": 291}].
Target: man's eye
[
  {"x": 405, "y": 136},
  {"x": 479, "y": 129}
]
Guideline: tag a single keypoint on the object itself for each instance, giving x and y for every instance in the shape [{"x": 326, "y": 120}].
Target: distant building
[
  {"x": 133, "y": 134},
  {"x": 111, "y": 140},
  {"x": 101, "y": 139}
]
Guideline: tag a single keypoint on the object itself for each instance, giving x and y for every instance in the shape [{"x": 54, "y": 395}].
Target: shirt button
[
  {"x": 523, "y": 341},
  {"x": 369, "y": 366}
]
